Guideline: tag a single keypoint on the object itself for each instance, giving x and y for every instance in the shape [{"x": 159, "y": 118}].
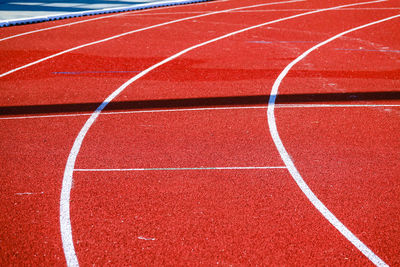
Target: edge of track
[{"x": 14, "y": 22}]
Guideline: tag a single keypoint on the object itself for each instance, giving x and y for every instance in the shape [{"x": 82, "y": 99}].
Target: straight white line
[
  {"x": 146, "y": 238},
  {"x": 138, "y": 30},
  {"x": 290, "y": 164},
  {"x": 204, "y": 109},
  {"x": 181, "y": 169},
  {"x": 311, "y": 9},
  {"x": 65, "y": 222},
  {"x": 32, "y": 193},
  {"x": 271, "y": 10},
  {"x": 44, "y": 116},
  {"x": 334, "y": 105},
  {"x": 125, "y": 14}
]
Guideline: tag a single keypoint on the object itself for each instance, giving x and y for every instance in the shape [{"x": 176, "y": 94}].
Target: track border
[{"x": 14, "y": 22}]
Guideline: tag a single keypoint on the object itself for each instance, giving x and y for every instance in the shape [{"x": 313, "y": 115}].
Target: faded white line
[
  {"x": 334, "y": 105},
  {"x": 45, "y": 116},
  {"x": 266, "y": 10},
  {"x": 146, "y": 238},
  {"x": 182, "y": 169},
  {"x": 29, "y": 193},
  {"x": 204, "y": 109},
  {"x": 311, "y": 9},
  {"x": 65, "y": 223},
  {"x": 138, "y": 30},
  {"x": 290, "y": 164}
]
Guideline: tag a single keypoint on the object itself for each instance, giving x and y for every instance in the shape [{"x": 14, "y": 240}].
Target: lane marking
[
  {"x": 182, "y": 169},
  {"x": 369, "y": 50},
  {"x": 139, "y": 30},
  {"x": 334, "y": 105},
  {"x": 290, "y": 164},
  {"x": 205, "y": 109},
  {"x": 281, "y": 42},
  {"x": 340, "y": 49},
  {"x": 95, "y": 72},
  {"x": 146, "y": 238},
  {"x": 128, "y": 13},
  {"x": 65, "y": 222},
  {"x": 32, "y": 193},
  {"x": 268, "y": 10}
]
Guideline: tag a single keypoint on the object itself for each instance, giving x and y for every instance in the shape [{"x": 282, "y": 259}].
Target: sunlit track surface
[
  {"x": 138, "y": 12},
  {"x": 178, "y": 166}
]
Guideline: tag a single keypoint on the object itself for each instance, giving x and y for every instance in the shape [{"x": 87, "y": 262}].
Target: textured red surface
[
  {"x": 349, "y": 156},
  {"x": 33, "y": 156},
  {"x": 180, "y": 139},
  {"x": 357, "y": 177},
  {"x": 201, "y": 217}
]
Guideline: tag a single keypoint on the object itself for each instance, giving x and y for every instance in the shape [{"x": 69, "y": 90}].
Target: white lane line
[
  {"x": 278, "y": 10},
  {"x": 368, "y": 50},
  {"x": 32, "y": 193},
  {"x": 265, "y": 10},
  {"x": 334, "y": 105},
  {"x": 204, "y": 109},
  {"x": 146, "y": 238},
  {"x": 125, "y": 14},
  {"x": 139, "y": 30},
  {"x": 311, "y": 9},
  {"x": 182, "y": 169},
  {"x": 292, "y": 168},
  {"x": 45, "y": 116},
  {"x": 65, "y": 223}
]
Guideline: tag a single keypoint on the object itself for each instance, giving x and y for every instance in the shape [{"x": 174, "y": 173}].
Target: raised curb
[{"x": 6, "y": 23}]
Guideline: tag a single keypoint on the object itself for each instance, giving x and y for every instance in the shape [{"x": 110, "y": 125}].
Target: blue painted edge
[{"x": 7, "y": 23}]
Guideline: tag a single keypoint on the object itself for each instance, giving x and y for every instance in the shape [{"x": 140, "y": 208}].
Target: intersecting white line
[
  {"x": 65, "y": 222},
  {"x": 183, "y": 169},
  {"x": 290, "y": 164}
]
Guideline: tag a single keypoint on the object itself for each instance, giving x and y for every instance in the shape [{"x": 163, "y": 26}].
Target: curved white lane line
[
  {"x": 292, "y": 168},
  {"x": 139, "y": 30},
  {"x": 65, "y": 223},
  {"x": 127, "y": 13}
]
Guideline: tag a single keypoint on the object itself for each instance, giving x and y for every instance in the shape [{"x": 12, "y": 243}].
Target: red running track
[{"x": 337, "y": 113}]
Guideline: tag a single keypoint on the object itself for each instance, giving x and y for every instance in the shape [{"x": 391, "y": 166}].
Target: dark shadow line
[{"x": 200, "y": 102}]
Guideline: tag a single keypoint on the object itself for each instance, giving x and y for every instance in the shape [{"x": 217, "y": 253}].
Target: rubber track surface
[{"x": 144, "y": 189}]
